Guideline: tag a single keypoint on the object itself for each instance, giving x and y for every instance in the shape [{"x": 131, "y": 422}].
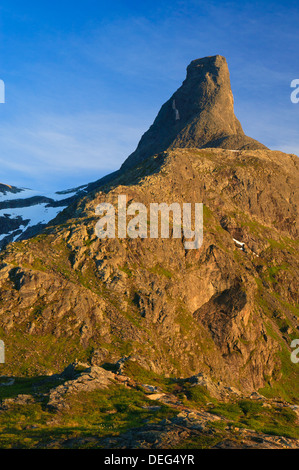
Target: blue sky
[{"x": 84, "y": 80}]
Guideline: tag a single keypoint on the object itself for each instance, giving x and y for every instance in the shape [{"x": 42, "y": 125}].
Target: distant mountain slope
[{"x": 24, "y": 213}]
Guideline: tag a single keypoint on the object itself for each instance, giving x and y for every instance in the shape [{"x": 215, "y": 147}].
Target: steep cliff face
[
  {"x": 228, "y": 309},
  {"x": 199, "y": 114}
]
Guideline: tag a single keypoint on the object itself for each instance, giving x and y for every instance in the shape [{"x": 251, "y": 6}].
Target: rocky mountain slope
[
  {"x": 221, "y": 309},
  {"x": 228, "y": 310}
]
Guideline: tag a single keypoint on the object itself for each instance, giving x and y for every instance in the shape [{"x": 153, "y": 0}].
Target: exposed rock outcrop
[
  {"x": 91, "y": 378},
  {"x": 199, "y": 114}
]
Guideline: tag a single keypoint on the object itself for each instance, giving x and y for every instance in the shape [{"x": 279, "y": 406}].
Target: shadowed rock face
[{"x": 199, "y": 114}]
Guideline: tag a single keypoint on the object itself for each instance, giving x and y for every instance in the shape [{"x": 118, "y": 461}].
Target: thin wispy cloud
[{"x": 55, "y": 146}]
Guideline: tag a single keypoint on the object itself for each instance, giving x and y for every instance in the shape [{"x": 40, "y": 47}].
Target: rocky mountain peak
[{"x": 199, "y": 114}]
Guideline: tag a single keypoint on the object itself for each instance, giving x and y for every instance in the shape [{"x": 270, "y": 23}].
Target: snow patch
[
  {"x": 37, "y": 214},
  {"x": 238, "y": 243}
]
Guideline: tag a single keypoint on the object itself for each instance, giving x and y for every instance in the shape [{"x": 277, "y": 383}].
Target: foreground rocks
[
  {"x": 198, "y": 426},
  {"x": 20, "y": 400},
  {"x": 171, "y": 435},
  {"x": 92, "y": 378}
]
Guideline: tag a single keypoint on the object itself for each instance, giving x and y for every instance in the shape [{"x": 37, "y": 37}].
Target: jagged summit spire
[{"x": 199, "y": 114}]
